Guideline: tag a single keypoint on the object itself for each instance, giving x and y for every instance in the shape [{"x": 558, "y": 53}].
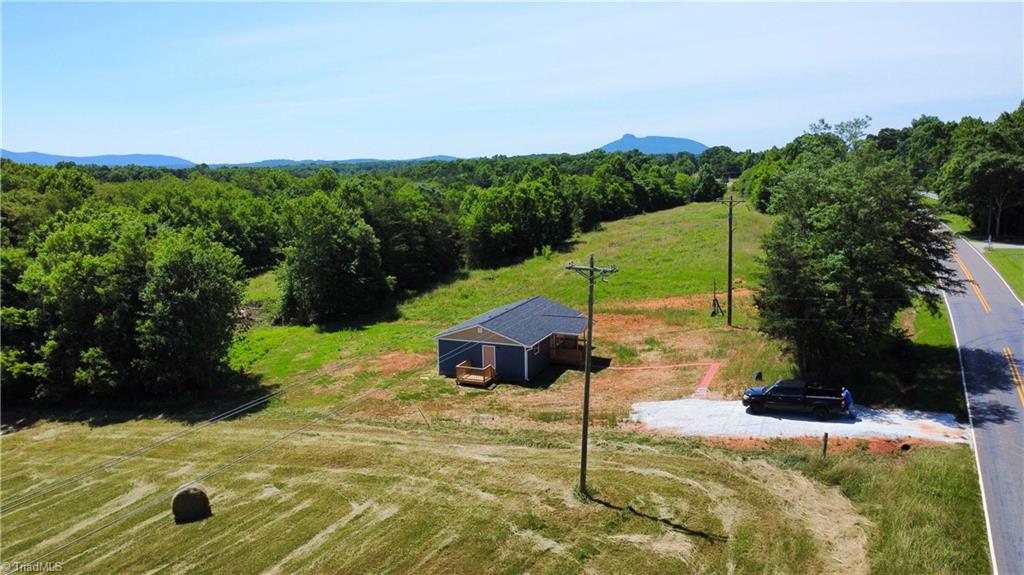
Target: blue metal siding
[
  {"x": 509, "y": 358},
  {"x": 510, "y": 362},
  {"x": 538, "y": 361},
  {"x": 451, "y": 353}
]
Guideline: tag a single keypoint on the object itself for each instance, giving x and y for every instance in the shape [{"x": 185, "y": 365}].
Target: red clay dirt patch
[
  {"x": 685, "y": 345},
  {"x": 669, "y": 369},
  {"x": 613, "y": 392},
  {"x": 705, "y": 382},
  {"x": 669, "y": 362},
  {"x": 880, "y": 445},
  {"x": 673, "y": 366},
  {"x": 396, "y": 361},
  {"x": 618, "y": 322},
  {"x": 702, "y": 387},
  {"x": 687, "y": 301},
  {"x": 876, "y": 445}
]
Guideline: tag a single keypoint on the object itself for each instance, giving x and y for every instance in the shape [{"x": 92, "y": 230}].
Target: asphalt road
[{"x": 989, "y": 324}]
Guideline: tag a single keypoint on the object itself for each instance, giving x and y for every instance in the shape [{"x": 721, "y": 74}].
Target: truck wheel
[{"x": 820, "y": 413}]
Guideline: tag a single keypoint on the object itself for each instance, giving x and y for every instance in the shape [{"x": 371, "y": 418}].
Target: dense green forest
[{"x": 120, "y": 283}]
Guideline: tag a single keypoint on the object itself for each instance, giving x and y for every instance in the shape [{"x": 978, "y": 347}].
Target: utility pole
[
  {"x": 590, "y": 272},
  {"x": 730, "y": 202},
  {"x": 989, "y": 231}
]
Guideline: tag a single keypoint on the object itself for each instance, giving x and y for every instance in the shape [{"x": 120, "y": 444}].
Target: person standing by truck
[{"x": 848, "y": 400}]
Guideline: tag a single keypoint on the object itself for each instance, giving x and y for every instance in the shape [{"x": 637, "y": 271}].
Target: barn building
[{"x": 514, "y": 342}]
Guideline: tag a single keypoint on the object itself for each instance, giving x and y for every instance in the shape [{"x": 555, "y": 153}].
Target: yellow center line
[
  {"x": 974, "y": 284},
  {"x": 1018, "y": 379}
]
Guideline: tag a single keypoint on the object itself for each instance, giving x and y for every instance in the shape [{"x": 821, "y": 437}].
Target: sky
[{"x": 241, "y": 82}]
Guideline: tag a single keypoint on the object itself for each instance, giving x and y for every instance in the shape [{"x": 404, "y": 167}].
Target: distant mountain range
[
  {"x": 655, "y": 145},
  {"x": 647, "y": 145},
  {"x": 161, "y": 161},
  {"x": 151, "y": 160},
  {"x": 278, "y": 163}
]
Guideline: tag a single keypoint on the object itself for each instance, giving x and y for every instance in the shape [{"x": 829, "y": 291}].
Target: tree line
[
  {"x": 127, "y": 282},
  {"x": 854, "y": 241},
  {"x": 975, "y": 167}
]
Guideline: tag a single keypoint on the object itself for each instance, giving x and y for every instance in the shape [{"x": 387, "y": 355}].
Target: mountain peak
[{"x": 654, "y": 145}]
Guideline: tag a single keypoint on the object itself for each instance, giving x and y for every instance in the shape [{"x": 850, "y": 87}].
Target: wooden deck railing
[
  {"x": 568, "y": 350},
  {"x": 567, "y": 356},
  {"x": 466, "y": 374}
]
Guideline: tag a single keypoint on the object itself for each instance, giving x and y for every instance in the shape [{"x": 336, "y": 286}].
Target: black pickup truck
[{"x": 795, "y": 395}]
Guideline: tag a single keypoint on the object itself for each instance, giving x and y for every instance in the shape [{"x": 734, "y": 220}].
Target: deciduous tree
[
  {"x": 853, "y": 245},
  {"x": 708, "y": 187},
  {"x": 189, "y": 309},
  {"x": 332, "y": 268}
]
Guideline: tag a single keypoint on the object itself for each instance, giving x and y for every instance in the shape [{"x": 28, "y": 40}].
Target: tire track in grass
[{"x": 320, "y": 538}]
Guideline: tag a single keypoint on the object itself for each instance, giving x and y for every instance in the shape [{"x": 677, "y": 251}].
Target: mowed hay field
[
  {"x": 417, "y": 475},
  {"x": 359, "y": 495}
]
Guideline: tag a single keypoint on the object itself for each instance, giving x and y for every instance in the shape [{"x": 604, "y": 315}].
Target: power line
[
  {"x": 169, "y": 494},
  {"x": 208, "y": 475},
  {"x": 112, "y": 462},
  {"x": 22, "y": 500},
  {"x": 488, "y": 339},
  {"x": 48, "y": 489}
]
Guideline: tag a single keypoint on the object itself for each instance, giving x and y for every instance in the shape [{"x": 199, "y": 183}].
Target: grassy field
[
  {"x": 261, "y": 296},
  {"x": 358, "y": 495},
  {"x": 670, "y": 260},
  {"x": 957, "y": 223},
  {"x": 1010, "y": 263},
  {"x": 421, "y": 476}
]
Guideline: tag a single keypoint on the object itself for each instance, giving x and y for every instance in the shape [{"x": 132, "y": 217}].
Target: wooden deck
[{"x": 466, "y": 374}]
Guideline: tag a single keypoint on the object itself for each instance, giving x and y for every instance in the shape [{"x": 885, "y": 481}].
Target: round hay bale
[{"x": 190, "y": 504}]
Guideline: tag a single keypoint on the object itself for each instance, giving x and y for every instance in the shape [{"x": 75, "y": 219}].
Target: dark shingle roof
[{"x": 526, "y": 321}]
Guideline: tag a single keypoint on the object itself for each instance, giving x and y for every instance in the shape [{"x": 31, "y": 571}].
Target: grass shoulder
[
  {"x": 921, "y": 368},
  {"x": 1009, "y": 262},
  {"x": 924, "y": 505}
]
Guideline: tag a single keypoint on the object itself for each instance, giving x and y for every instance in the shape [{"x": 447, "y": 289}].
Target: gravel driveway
[{"x": 704, "y": 417}]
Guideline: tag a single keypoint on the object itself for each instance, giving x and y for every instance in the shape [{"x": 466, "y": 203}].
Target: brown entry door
[{"x": 489, "y": 356}]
